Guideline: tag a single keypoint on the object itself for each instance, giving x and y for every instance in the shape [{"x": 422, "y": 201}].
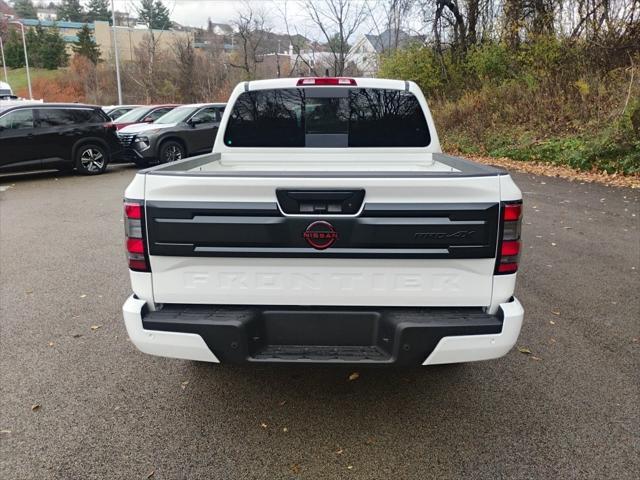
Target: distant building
[
  {"x": 47, "y": 14},
  {"x": 128, "y": 37},
  {"x": 68, "y": 30},
  {"x": 219, "y": 28},
  {"x": 367, "y": 50}
]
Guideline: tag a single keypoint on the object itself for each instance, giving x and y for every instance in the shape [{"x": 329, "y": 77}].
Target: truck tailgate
[{"x": 414, "y": 241}]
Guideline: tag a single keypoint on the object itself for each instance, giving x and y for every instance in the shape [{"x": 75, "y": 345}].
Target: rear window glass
[{"x": 327, "y": 117}]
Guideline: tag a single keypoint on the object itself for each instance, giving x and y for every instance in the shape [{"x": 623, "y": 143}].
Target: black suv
[
  {"x": 38, "y": 136},
  {"x": 184, "y": 131}
]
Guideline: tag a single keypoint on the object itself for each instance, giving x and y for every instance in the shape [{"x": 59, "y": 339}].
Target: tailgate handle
[{"x": 320, "y": 202}]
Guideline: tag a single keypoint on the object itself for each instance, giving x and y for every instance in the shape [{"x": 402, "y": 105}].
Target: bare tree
[
  {"x": 185, "y": 59},
  {"x": 338, "y": 21},
  {"x": 252, "y": 31}
]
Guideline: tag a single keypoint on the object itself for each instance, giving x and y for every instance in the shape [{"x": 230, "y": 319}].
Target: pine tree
[
  {"x": 25, "y": 9},
  {"x": 13, "y": 52},
  {"x": 53, "y": 51},
  {"x": 98, "y": 10},
  {"x": 71, "y": 10},
  {"x": 86, "y": 45},
  {"x": 154, "y": 14}
]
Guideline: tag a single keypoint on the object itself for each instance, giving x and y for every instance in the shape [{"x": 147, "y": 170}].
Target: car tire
[
  {"x": 91, "y": 159},
  {"x": 171, "y": 151}
]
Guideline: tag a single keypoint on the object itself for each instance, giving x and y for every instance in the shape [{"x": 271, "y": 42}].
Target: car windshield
[
  {"x": 177, "y": 115},
  {"x": 134, "y": 115}
]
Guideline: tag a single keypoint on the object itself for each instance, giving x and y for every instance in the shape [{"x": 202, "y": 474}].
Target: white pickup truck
[{"x": 325, "y": 227}]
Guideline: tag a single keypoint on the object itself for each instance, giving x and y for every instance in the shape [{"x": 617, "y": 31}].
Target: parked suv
[
  {"x": 56, "y": 136},
  {"x": 184, "y": 131}
]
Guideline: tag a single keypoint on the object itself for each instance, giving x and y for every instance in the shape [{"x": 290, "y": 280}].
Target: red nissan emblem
[{"x": 320, "y": 235}]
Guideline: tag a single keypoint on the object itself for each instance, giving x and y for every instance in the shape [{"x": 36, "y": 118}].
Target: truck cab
[{"x": 326, "y": 226}]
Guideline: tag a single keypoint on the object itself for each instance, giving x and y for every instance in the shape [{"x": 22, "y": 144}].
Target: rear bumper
[{"x": 358, "y": 335}]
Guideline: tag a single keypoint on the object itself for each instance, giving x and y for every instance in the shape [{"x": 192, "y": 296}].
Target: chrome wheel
[
  {"x": 172, "y": 153},
  {"x": 92, "y": 160}
]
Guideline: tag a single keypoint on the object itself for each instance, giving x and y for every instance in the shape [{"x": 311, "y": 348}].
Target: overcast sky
[{"x": 196, "y": 12}]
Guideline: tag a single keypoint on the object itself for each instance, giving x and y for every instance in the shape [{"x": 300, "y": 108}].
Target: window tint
[
  {"x": 156, "y": 114},
  {"x": 90, "y": 116},
  {"x": 56, "y": 117},
  {"x": 360, "y": 117},
  {"x": 267, "y": 118},
  {"x": 206, "y": 115},
  {"x": 17, "y": 120}
]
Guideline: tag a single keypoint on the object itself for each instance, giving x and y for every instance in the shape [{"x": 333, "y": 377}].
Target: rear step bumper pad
[{"x": 402, "y": 336}]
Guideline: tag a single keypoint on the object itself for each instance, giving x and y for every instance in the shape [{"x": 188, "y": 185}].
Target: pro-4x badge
[{"x": 320, "y": 235}]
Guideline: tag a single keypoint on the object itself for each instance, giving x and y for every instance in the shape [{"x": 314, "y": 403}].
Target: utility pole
[
  {"x": 115, "y": 49},
  {"x": 4, "y": 63},
  {"x": 26, "y": 57}
]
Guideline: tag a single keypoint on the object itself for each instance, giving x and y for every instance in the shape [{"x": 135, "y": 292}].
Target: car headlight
[{"x": 142, "y": 142}]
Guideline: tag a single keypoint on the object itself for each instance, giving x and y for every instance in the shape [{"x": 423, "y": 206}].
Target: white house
[{"x": 366, "y": 52}]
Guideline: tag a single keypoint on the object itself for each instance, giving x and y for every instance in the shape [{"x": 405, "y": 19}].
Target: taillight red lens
[
  {"x": 311, "y": 81},
  {"x": 133, "y": 210},
  {"x": 512, "y": 212},
  {"x": 509, "y": 248},
  {"x": 507, "y": 267},
  {"x": 135, "y": 245},
  {"x": 134, "y": 229}
]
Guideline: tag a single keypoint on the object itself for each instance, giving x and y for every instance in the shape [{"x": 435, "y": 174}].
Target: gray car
[{"x": 185, "y": 131}]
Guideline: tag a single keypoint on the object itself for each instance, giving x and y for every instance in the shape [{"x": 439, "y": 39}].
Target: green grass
[{"x": 18, "y": 76}]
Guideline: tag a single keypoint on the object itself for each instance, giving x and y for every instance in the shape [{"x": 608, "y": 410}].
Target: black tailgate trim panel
[{"x": 243, "y": 229}]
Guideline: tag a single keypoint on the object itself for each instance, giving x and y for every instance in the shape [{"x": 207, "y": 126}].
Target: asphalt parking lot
[{"x": 78, "y": 401}]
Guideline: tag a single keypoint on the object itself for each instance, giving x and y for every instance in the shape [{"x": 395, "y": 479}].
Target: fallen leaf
[
  {"x": 524, "y": 350},
  {"x": 83, "y": 295},
  {"x": 354, "y": 376},
  {"x": 183, "y": 385},
  {"x": 263, "y": 425},
  {"x": 555, "y": 312},
  {"x": 339, "y": 451},
  {"x": 153, "y": 472},
  {"x": 51, "y": 344},
  {"x": 552, "y": 322},
  {"x": 533, "y": 357},
  {"x": 553, "y": 244},
  {"x": 350, "y": 467},
  {"x": 95, "y": 327},
  {"x": 28, "y": 292},
  {"x": 552, "y": 340},
  {"x": 35, "y": 407}
]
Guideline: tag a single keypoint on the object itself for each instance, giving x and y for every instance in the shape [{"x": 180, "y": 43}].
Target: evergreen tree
[
  {"x": 154, "y": 14},
  {"x": 13, "y": 52},
  {"x": 71, "y": 10},
  {"x": 86, "y": 46},
  {"x": 53, "y": 51},
  {"x": 98, "y": 10},
  {"x": 25, "y": 9}
]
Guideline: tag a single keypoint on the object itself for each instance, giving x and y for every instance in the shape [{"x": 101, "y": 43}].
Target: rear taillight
[
  {"x": 509, "y": 247},
  {"x": 134, "y": 232},
  {"x": 326, "y": 81}
]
